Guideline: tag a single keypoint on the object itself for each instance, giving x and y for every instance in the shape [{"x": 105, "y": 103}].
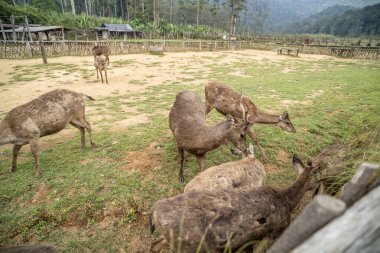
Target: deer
[
  {"x": 192, "y": 134},
  {"x": 47, "y": 114},
  {"x": 246, "y": 172},
  {"x": 210, "y": 221},
  {"x": 102, "y": 50},
  {"x": 227, "y": 101},
  {"x": 100, "y": 65}
]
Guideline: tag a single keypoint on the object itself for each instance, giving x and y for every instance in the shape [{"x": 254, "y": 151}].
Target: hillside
[
  {"x": 341, "y": 21},
  {"x": 282, "y": 12}
]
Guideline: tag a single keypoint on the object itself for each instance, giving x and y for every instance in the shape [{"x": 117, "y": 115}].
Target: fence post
[
  {"x": 2, "y": 31},
  {"x": 43, "y": 52},
  {"x": 28, "y": 28},
  {"x": 13, "y": 28}
]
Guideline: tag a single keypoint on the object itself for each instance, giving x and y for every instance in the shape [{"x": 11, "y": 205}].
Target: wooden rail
[
  {"x": 17, "y": 50},
  {"x": 288, "y": 50}
]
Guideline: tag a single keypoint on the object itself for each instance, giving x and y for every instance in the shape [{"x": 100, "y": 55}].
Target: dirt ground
[{"x": 160, "y": 70}]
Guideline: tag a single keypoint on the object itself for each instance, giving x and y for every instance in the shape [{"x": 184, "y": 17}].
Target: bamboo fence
[{"x": 20, "y": 50}]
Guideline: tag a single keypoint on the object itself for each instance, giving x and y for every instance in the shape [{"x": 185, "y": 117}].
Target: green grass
[{"x": 98, "y": 200}]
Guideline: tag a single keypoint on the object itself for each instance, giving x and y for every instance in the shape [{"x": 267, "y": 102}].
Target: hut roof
[
  {"x": 116, "y": 28},
  {"x": 36, "y": 29}
]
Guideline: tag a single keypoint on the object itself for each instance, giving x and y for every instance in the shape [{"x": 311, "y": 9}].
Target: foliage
[
  {"x": 364, "y": 21},
  {"x": 35, "y": 15}
]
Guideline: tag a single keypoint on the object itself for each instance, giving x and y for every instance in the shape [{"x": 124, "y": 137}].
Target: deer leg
[
  {"x": 181, "y": 163},
  {"x": 97, "y": 73},
  {"x": 16, "y": 149},
  {"x": 158, "y": 244},
  {"x": 105, "y": 72},
  {"x": 82, "y": 124},
  {"x": 82, "y": 135},
  {"x": 208, "y": 107},
  {"x": 253, "y": 136},
  {"x": 34, "y": 146},
  {"x": 201, "y": 162},
  {"x": 101, "y": 75}
]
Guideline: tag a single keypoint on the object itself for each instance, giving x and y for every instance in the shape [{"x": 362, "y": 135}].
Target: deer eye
[{"x": 242, "y": 136}]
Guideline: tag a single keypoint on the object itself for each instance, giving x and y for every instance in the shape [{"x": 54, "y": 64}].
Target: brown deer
[
  {"x": 102, "y": 50},
  {"x": 210, "y": 221},
  {"x": 45, "y": 115},
  {"x": 247, "y": 172},
  {"x": 192, "y": 134},
  {"x": 101, "y": 65},
  {"x": 227, "y": 101}
]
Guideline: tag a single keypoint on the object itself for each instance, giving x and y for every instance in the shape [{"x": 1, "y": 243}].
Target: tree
[{"x": 236, "y": 6}]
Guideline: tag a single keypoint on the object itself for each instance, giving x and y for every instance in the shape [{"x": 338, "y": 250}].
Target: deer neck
[
  {"x": 295, "y": 192},
  {"x": 266, "y": 118}
]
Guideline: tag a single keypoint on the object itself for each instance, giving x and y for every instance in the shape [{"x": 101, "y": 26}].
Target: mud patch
[
  {"x": 41, "y": 195},
  {"x": 145, "y": 160}
]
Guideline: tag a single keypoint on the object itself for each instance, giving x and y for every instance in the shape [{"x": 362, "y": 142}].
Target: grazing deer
[
  {"x": 192, "y": 134},
  {"x": 100, "y": 65},
  {"x": 247, "y": 172},
  {"x": 210, "y": 221},
  {"x": 45, "y": 115},
  {"x": 227, "y": 101},
  {"x": 102, "y": 50}
]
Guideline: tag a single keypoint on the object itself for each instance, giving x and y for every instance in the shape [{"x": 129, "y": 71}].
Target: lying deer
[
  {"x": 227, "y": 101},
  {"x": 192, "y": 134},
  {"x": 45, "y": 115},
  {"x": 102, "y": 50},
  {"x": 101, "y": 65},
  {"x": 247, "y": 172},
  {"x": 210, "y": 221}
]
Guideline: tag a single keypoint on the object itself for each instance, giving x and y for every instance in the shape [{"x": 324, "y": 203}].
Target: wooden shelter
[
  {"x": 113, "y": 31},
  {"x": 34, "y": 32}
]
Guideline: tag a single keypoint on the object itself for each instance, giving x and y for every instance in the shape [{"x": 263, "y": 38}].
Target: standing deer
[
  {"x": 192, "y": 134},
  {"x": 247, "y": 172},
  {"x": 227, "y": 101},
  {"x": 45, "y": 115},
  {"x": 210, "y": 221},
  {"x": 100, "y": 65},
  {"x": 102, "y": 50}
]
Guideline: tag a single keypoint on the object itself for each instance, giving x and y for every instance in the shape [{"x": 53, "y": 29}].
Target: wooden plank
[
  {"x": 316, "y": 214},
  {"x": 359, "y": 183},
  {"x": 357, "y": 230}
]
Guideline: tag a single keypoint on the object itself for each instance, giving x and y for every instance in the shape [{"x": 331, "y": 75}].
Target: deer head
[
  {"x": 237, "y": 133},
  {"x": 285, "y": 123}
]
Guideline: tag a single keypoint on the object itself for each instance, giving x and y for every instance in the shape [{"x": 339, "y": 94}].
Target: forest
[{"x": 257, "y": 17}]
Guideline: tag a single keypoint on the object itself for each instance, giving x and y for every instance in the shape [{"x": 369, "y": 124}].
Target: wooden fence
[{"x": 17, "y": 50}]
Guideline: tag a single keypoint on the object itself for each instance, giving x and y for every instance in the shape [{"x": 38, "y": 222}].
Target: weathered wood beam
[
  {"x": 316, "y": 214},
  {"x": 357, "y": 230}
]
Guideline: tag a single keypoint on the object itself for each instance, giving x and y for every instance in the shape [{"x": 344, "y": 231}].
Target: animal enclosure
[
  {"x": 11, "y": 50},
  {"x": 99, "y": 199}
]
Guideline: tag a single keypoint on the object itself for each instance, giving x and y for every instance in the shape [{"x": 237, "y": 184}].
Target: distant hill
[
  {"x": 341, "y": 21},
  {"x": 283, "y": 12}
]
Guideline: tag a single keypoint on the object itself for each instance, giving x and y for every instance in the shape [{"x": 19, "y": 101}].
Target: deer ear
[
  {"x": 297, "y": 164},
  {"x": 230, "y": 119},
  {"x": 251, "y": 150},
  {"x": 284, "y": 115}
]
